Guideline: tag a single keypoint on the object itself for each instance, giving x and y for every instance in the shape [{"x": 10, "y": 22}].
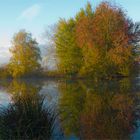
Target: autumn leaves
[{"x": 96, "y": 43}]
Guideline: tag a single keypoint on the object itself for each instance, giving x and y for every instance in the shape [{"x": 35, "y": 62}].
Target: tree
[
  {"x": 100, "y": 43},
  {"x": 25, "y": 55},
  {"x": 108, "y": 34},
  {"x": 68, "y": 53}
]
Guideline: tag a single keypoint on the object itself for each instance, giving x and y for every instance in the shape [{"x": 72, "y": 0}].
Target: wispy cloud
[{"x": 30, "y": 13}]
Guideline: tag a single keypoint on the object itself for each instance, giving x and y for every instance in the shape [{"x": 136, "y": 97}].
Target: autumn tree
[
  {"x": 108, "y": 35},
  {"x": 25, "y": 55},
  {"x": 106, "y": 40}
]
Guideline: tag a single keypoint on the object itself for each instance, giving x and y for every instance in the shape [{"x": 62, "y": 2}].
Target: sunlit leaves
[
  {"x": 25, "y": 55},
  {"x": 104, "y": 40},
  {"x": 68, "y": 53}
]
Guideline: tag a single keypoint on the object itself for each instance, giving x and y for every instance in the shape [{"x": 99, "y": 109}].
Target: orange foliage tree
[
  {"x": 109, "y": 35},
  {"x": 107, "y": 39}
]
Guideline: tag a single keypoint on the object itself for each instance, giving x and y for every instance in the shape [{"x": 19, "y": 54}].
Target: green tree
[
  {"x": 68, "y": 53},
  {"x": 25, "y": 55}
]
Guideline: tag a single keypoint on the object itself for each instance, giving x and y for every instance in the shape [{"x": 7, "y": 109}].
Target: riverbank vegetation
[
  {"x": 100, "y": 43},
  {"x": 26, "y": 116}
]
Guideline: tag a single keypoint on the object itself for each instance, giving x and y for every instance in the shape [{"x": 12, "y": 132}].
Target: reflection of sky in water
[
  {"x": 50, "y": 90},
  {"x": 136, "y": 135},
  {"x": 5, "y": 98}
]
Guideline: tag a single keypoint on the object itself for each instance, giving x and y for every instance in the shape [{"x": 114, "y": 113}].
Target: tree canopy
[
  {"x": 98, "y": 43},
  {"x": 69, "y": 54},
  {"x": 25, "y": 55}
]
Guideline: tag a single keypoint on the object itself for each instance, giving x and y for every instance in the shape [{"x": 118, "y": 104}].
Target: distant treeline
[{"x": 100, "y": 43}]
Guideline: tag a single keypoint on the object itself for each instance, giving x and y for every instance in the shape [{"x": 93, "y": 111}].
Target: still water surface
[{"x": 85, "y": 109}]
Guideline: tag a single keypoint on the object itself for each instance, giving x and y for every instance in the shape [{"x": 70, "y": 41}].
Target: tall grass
[{"x": 27, "y": 118}]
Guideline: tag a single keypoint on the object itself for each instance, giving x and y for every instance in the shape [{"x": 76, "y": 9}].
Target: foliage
[
  {"x": 4, "y": 73},
  {"x": 100, "y": 43},
  {"x": 25, "y": 55},
  {"x": 68, "y": 54}
]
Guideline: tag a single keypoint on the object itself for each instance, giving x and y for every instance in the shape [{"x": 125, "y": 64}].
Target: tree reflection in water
[
  {"x": 87, "y": 110},
  {"x": 106, "y": 110},
  {"x": 26, "y": 117}
]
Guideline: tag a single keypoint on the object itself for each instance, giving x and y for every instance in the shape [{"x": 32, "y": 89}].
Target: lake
[{"x": 84, "y": 109}]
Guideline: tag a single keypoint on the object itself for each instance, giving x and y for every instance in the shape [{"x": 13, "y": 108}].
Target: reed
[{"x": 27, "y": 117}]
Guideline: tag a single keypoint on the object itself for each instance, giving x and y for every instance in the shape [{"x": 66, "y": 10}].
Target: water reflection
[
  {"x": 26, "y": 117},
  {"x": 86, "y": 109},
  {"x": 107, "y": 110}
]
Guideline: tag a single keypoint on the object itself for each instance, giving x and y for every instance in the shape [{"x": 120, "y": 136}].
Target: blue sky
[{"x": 36, "y": 15}]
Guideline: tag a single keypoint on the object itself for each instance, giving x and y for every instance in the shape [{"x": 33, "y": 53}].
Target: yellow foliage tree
[{"x": 25, "y": 55}]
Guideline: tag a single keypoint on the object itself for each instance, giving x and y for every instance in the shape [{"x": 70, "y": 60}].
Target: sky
[{"x": 36, "y": 16}]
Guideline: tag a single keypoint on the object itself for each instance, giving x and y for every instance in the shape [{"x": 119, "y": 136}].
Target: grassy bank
[{"x": 55, "y": 74}]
